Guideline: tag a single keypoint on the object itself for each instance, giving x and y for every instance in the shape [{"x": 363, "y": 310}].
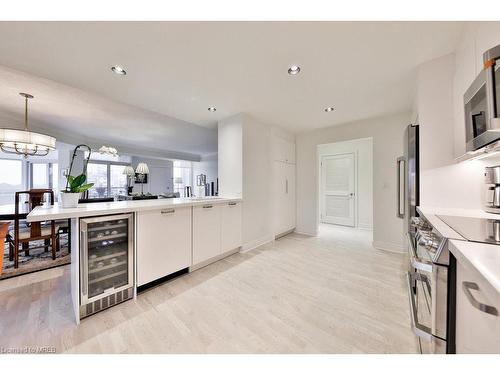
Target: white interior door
[{"x": 338, "y": 189}]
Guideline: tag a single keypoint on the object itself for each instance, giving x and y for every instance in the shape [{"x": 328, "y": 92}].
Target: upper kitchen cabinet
[
  {"x": 283, "y": 150},
  {"x": 434, "y": 104}
]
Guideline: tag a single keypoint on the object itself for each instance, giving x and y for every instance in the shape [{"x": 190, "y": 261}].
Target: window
[
  {"x": 98, "y": 174},
  {"x": 108, "y": 179},
  {"x": 118, "y": 180},
  {"x": 11, "y": 179},
  {"x": 44, "y": 175},
  {"x": 182, "y": 176},
  {"x": 40, "y": 176}
]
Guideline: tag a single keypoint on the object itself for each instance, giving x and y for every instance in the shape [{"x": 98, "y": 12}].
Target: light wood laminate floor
[{"x": 328, "y": 294}]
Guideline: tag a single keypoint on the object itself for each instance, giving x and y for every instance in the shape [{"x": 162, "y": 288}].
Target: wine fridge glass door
[{"x": 106, "y": 255}]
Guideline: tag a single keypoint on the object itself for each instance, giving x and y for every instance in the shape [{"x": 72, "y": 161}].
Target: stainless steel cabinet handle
[
  {"x": 420, "y": 330},
  {"x": 231, "y": 204},
  {"x": 208, "y": 206},
  {"x": 466, "y": 286},
  {"x": 170, "y": 211},
  {"x": 415, "y": 261},
  {"x": 83, "y": 257},
  {"x": 400, "y": 205},
  {"x": 286, "y": 186}
]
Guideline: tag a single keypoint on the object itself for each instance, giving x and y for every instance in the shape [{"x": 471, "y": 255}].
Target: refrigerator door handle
[
  {"x": 84, "y": 265},
  {"x": 401, "y": 198}
]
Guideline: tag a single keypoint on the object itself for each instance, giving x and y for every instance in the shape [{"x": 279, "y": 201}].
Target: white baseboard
[
  {"x": 389, "y": 246},
  {"x": 305, "y": 233},
  {"x": 213, "y": 260},
  {"x": 365, "y": 227},
  {"x": 256, "y": 243}
]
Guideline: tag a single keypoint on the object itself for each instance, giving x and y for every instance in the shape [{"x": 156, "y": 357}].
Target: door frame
[{"x": 321, "y": 195}]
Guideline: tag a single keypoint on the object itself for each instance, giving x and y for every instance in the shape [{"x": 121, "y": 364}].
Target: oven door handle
[
  {"x": 420, "y": 330},
  {"x": 415, "y": 261}
]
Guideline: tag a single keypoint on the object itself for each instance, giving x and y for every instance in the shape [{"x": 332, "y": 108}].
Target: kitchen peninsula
[{"x": 125, "y": 245}]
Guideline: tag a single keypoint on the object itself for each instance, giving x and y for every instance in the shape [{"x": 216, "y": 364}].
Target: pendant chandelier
[{"x": 25, "y": 142}]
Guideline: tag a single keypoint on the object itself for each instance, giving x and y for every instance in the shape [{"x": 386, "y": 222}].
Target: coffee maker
[{"x": 492, "y": 179}]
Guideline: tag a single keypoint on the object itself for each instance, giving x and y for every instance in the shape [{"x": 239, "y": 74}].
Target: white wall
[
  {"x": 363, "y": 149},
  {"x": 257, "y": 183},
  {"x": 230, "y": 156},
  {"x": 387, "y": 134}
]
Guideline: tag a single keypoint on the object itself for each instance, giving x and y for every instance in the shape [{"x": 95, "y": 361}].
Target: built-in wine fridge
[{"x": 106, "y": 262}]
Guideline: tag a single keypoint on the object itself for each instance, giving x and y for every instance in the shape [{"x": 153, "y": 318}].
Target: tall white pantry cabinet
[{"x": 283, "y": 185}]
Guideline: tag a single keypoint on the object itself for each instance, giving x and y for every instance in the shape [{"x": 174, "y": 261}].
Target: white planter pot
[{"x": 69, "y": 200}]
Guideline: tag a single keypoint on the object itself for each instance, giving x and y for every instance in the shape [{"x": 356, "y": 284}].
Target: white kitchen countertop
[
  {"x": 485, "y": 258},
  {"x": 55, "y": 212},
  {"x": 457, "y": 212}
]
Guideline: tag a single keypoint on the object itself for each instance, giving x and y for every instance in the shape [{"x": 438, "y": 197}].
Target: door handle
[
  {"x": 208, "y": 206},
  {"x": 420, "y": 330},
  {"x": 400, "y": 205},
  {"x": 286, "y": 186},
  {"x": 415, "y": 261},
  {"x": 84, "y": 266},
  {"x": 170, "y": 211},
  {"x": 466, "y": 286}
]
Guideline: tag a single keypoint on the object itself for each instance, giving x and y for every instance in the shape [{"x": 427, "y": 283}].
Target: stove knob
[
  {"x": 423, "y": 239},
  {"x": 432, "y": 244}
]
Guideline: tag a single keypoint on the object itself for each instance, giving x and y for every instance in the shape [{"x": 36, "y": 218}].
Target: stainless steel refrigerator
[{"x": 408, "y": 179}]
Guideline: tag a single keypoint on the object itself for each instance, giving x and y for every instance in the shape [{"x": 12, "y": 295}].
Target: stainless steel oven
[
  {"x": 427, "y": 282},
  {"x": 482, "y": 104}
]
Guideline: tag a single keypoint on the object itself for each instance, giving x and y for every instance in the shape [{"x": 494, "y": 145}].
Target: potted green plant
[{"x": 75, "y": 187}]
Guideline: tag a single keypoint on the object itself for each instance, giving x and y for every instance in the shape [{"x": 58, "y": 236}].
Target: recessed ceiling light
[
  {"x": 212, "y": 109},
  {"x": 293, "y": 70},
  {"x": 118, "y": 70},
  {"x": 328, "y": 109}
]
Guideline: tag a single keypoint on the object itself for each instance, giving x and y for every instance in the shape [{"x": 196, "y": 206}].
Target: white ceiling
[{"x": 178, "y": 69}]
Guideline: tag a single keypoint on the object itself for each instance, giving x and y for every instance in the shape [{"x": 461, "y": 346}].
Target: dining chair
[{"x": 34, "y": 231}]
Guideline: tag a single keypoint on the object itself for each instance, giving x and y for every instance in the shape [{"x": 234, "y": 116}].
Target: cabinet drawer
[
  {"x": 231, "y": 226},
  {"x": 163, "y": 243},
  {"x": 476, "y": 331},
  {"x": 206, "y": 232}
]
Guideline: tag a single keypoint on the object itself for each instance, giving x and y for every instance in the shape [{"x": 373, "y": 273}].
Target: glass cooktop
[{"x": 475, "y": 229}]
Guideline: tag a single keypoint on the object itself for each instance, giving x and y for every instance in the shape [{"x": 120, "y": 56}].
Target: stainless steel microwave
[{"x": 482, "y": 104}]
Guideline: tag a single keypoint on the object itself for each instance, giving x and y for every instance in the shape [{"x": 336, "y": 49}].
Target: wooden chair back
[{"x": 35, "y": 198}]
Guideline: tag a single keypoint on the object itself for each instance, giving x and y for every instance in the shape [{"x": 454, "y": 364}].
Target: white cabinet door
[
  {"x": 283, "y": 150},
  {"x": 231, "y": 226},
  {"x": 206, "y": 232},
  {"x": 163, "y": 243},
  {"x": 290, "y": 196},
  {"x": 476, "y": 331},
  {"x": 283, "y": 197}
]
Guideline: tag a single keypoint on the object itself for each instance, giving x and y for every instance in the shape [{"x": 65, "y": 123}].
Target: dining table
[{"x": 8, "y": 212}]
